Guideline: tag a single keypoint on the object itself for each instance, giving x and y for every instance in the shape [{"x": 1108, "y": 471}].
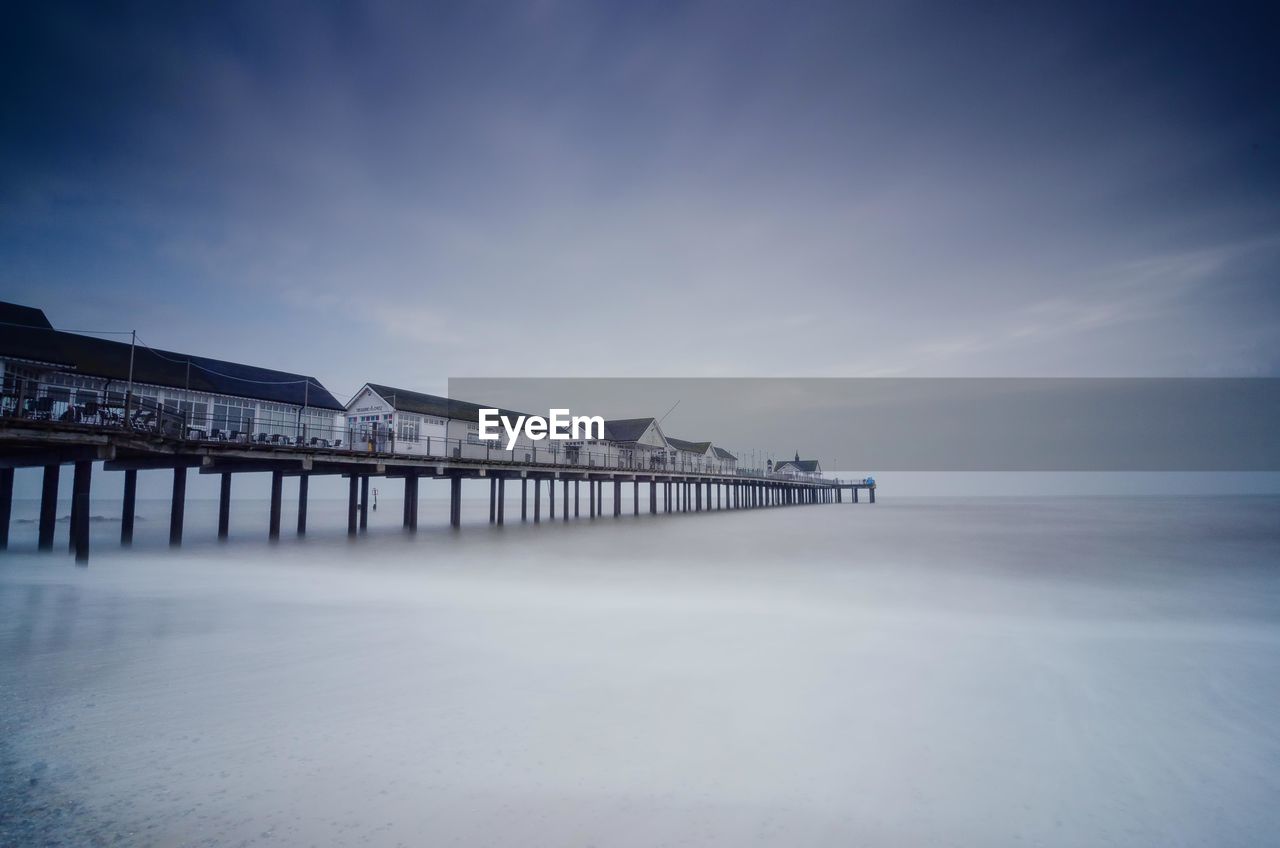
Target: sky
[{"x": 405, "y": 193}]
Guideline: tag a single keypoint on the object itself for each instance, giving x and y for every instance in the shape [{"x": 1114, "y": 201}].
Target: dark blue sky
[{"x": 407, "y": 192}]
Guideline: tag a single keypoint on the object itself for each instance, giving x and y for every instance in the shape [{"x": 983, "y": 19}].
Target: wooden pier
[{"x": 51, "y": 444}]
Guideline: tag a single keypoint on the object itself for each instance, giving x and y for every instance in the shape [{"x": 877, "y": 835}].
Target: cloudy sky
[{"x": 405, "y": 193}]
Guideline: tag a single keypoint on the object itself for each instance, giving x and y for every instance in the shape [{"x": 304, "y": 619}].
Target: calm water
[{"x": 1034, "y": 672}]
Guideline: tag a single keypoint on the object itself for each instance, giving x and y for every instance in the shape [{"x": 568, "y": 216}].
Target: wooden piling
[
  {"x": 48, "y": 507},
  {"x": 224, "y": 506},
  {"x": 408, "y": 500},
  {"x": 6, "y": 505},
  {"x": 304, "y": 482},
  {"x": 80, "y": 510},
  {"x": 455, "y": 501},
  {"x": 353, "y": 504},
  {"x": 277, "y": 494},
  {"x": 364, "y": 502},
  {"x": 177, "y": 509},
  {"x": 502, "y": 499},
  {"x": 128, "y": 507}
]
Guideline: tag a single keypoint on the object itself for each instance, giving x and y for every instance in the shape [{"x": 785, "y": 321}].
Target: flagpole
[{"x": 128, "y": 395}]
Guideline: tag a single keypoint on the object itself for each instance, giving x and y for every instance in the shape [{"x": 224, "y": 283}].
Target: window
[
  {"x": 408, "y": 429},
  {"x": 196, "y": 412},
  {"x": 232, "y": 416}
]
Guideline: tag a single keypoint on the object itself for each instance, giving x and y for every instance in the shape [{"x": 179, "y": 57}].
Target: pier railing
[{"x": 306, "y": 430}]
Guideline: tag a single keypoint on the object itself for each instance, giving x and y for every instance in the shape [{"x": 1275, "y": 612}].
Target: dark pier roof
[
  {"x": 694, "y": 447},
  {"x": 626, "y": 429},
  {"x": 36, "y": 340},
  {"x": 23, "y": 316},
  {"x": 406, "y": 400}
]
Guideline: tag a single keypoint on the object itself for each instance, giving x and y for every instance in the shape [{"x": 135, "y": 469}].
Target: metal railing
[
  {"x": 35, "y": 401},
  {"x": 117, "y": 411}
]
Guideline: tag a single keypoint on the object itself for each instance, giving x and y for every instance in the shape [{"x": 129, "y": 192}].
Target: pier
[
  {"x": 67, "y": 398},
  {"x": 50, "y": 444}
]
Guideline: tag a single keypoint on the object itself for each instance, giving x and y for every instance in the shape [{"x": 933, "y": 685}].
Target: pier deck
[{"x": 50, "y": 444}]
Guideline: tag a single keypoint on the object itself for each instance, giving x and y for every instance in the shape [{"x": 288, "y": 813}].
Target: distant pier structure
[{"x": 73, "y": 399}]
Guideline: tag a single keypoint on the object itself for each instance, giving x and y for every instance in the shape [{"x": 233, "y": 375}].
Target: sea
[{"x": 1027, "y": 671}]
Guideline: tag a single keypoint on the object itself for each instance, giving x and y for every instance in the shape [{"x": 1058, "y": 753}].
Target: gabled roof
[
  {"x": 109, "y": 359},
  {"x": 406, "y": 400},
  {"x": 692, "y": 447},
  {"x": 808, "y": 466},
  {"x": 626, "y": 429},
  {"x": 721, "y": 453}
]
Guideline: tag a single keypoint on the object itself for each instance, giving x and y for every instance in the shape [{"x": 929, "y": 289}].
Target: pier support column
[
  {"x": 872, "y": 491},
  {"x": 617, "y": 498},
  {"x": 591, "y": 491},
  {"x": 413, "y": 516},
  {"x": 224, "y": 505},
  {"x": 575, "y": 498},
  {"x": 364, "y": 502},
  {"x": 178, "y": 508},
  {"x": 455, "y": 502},
  {"x": 6, "y": 505},
  {"x": 493, "y": 500},
  {"x": 353, "y": 504},
  {"x": 566, "y": 500},
  {"x": 72, "y": 517},
  {"x": 855, "y": 494},
  {"x": 408, "y": 500},
  {"x": 551, "y": 499},
  {"x": 127, "y": 506},
  {"x": 524, "y": 498},
  {"x": 48, "y": 506},
  {"x": 537, "y": 501},
  {"x": 304, "y": 485},
  {"x": 653, "y": 497},
  {"x": 80, "y": 511},
  {"x": 277, "y": 494},
  {"x": 502, "y": 500}
]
